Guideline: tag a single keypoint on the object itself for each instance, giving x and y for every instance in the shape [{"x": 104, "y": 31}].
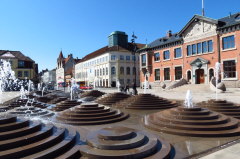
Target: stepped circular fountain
[
  {"x": 65, "y": 105},
  {"x": 30, "y": 111},
  {"x": 123, "y": 142},
  {"x": 146, "y": 101},
  {"x": 57, "y": 100},
  {"x": 93, "y": 93},
  {"x": 112, "y": 98},
  {"x": 222, "y": 106},
  {"x": 197, "y": 122},
  {"x": 20, "y": 138},
  {"x": 91, "y": 114}
]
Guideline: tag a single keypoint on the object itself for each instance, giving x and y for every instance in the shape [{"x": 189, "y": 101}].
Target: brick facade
[{"x": 202, "y": 38}]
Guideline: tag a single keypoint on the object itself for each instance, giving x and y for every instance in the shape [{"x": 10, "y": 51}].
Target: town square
[{"x": 120, "y": 79}]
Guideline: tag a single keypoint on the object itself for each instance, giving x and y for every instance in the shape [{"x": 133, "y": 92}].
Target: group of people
[{"x": 124, "y": 89}]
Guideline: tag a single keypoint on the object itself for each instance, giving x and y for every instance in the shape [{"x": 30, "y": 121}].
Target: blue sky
[{"x": 41, "y": 28}]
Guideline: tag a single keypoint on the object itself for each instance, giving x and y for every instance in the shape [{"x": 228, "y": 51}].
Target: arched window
[
  {"x": 128, "y": 70},
  {"x": 113, "y": 70},
  {"x": 211, "y": 74},
  {"x": 122, "y": 70},
  {"x": 189, "y": 75}
]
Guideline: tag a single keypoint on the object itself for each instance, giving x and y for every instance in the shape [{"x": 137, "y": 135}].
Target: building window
[
  {"x": 166, "y": 55},
  {"x": 134, "y": 70},
  {"x": 103, "y": 71},
  {"x": 122, "y": 70},
  {"x": 19, "y": 73},
  {"x": 177, "y": 53},
  {"x": 166, "y": 74},
  {"x": 204, "y": 47},
  {"x": 128, "y": 81},
  {"x": 199, "y": 48},
  {"x": 97, "y": 72},
  {"x": 121, "y": 57},
  {"x": 229, "y": 69},
  {"x": 113, "y": 70},
  {"x": 156, "y": 56},
  {"x": 178, "y": 73},
  {"x": 189, "y": 50},
  {"x": 128, "y": 70},
  {"x": 210, "y": 46},
  {"x": 157, "y": 74},
  {"x": 134, "y": 58},
  {"x": 113, "y": 57},
  {"x": 21, "y": 64},
  {"x": 106, "y": 71},
  {"x": 228, "y": 42},
  {"x": 194, "y": 49},
  {"x": 25, "y": 73},
  {"x": 144, "y": 60},
  {"x": 100, "y": 72},
  {"x": 128, "y": 58}
]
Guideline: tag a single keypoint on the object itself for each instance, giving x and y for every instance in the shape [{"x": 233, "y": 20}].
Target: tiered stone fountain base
[
  {"x": 30, "y": 111},
  {"x": 198, "y": 122},
  {"x": 122, "y": 142},
  {"x": 146, "y": 101},
  {"x": 222, "y": 106},
  {"x": 65, "y": 105},
  {"x": 112, "y": 98},
  {"x": 91, "y": 114},
  {"x": 31, "y": 139},
  {"x": 93, "y": 93}
]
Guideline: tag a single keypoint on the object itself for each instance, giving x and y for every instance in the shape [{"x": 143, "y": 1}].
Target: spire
[
  {"x": 203, "y": 12},
  {"x": 60, "y": 55}
]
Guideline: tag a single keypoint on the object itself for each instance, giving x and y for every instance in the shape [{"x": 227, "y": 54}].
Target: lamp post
[{"x": 135, "y": 72}]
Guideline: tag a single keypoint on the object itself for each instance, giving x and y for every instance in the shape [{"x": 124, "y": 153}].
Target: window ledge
[
  {"x": 167, "y": 80},
  {"x": 230, "y": 49},
  {"x": 178, "y": 58},
  {"x": 157, "y": 61},
  {"x": 167, "y": 60},
  {"x": 156, "y": 81},
  {"x": 230, "y": 79}
]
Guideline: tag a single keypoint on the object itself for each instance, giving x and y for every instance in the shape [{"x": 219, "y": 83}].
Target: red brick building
[{"x": 192, "y": 53}]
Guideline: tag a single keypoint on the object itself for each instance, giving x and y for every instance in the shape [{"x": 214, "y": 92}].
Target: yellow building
[{"x": 23, "y": 66}]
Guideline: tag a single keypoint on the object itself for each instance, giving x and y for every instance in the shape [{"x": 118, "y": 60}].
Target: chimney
[{"x": 169, "y": 33}]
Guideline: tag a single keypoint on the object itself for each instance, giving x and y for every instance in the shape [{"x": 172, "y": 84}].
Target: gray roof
[
  {"x": 165, "y": 40},
  {"x": 17, "y": 54},
  {"x": 229, "y": 20}
]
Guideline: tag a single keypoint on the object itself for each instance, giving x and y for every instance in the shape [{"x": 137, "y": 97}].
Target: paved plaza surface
[
  {"x": 185, "y": 146},
  {"x": 200, "y": 93}
]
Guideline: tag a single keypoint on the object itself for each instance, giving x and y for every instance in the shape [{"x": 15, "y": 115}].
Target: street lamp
[{"x": 135, "y": 71}]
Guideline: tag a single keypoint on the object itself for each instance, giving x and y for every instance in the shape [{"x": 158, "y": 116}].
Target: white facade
[
  {"x": 49, "y": 76},
  {"x": 104, "y": 70}
]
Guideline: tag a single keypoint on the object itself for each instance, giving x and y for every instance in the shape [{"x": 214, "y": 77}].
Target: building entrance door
[{"x": 200, "y": 76}]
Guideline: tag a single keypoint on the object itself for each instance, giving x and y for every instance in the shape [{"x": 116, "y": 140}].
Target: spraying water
[
  {"x": 118, "y": 86},
  {"x": 145, "y": 84},
  {"x": 217, "y": 72},
  {"x": 43, "y": 91},
  {"x": 188, "y": 100}
]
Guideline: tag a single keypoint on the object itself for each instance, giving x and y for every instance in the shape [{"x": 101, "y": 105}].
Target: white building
[
  {"x": 110, "y": 64},
  {"x": 49, "y": 77}
]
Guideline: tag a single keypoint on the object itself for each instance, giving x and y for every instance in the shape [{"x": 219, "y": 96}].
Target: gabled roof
[
  {"x": 17, "y": 55},
  {"x": 199, "y": 59},
  {"x": 109, "y": 49},
  {"x": 197, "y": 18}
]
